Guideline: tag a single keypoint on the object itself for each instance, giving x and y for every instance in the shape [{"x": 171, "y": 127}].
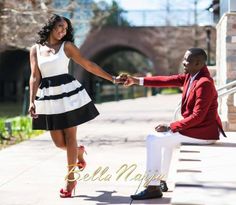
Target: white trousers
[{"x": 160, "y": 146}]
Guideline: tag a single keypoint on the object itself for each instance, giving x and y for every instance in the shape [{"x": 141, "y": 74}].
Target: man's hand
[
  {"x": 131, "y": 81},
  {"x": 162, "y": 128}
]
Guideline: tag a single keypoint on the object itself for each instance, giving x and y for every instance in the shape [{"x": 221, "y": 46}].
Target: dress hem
[{"x": 65, "y": 120}]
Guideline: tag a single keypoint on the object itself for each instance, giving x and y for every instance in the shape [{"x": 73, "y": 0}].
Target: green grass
[{"x": 21, "y": 129}]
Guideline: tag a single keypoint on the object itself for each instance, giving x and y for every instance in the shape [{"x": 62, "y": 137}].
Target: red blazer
[{"x": 199, "y": 109}]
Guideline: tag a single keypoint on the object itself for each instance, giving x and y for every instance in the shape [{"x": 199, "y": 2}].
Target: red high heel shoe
[
  {"x": 81, "y": 164},
  {"x": 67, "y": 194}
]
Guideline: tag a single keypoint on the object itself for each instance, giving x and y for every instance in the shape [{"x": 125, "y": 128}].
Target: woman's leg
[
  {"x": 72, "y": 153},
  {"x": 81, "y": 154},
  {"x": 58, "y": 137}
]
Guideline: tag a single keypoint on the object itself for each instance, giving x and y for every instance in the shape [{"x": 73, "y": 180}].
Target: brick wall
[
  {"x": 226, "y": 67},
  {"x": 164, "y": 46}
]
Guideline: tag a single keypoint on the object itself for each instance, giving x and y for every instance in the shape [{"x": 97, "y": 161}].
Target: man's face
[{"x": 189, "y": 63}]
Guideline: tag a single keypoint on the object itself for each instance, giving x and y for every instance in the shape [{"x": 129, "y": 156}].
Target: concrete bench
[{"x": 206, "y": 174}]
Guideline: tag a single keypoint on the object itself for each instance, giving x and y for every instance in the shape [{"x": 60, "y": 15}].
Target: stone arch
[
  {"x": 102, "y": 43},
  {"x": 164, "y": 46},
  {"x": 112, "y": 39}
]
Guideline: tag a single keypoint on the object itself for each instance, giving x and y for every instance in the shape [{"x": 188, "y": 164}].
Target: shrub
[
  {"x": 20, "y": 129},
  {"x": 170, "y": 91}
]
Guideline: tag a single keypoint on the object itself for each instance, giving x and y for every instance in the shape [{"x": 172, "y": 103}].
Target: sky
[
  {"x": 154, "y": 12},
  {"x": 158, "y": 4}
]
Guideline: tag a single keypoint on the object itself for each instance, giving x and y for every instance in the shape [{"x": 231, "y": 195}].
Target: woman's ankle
[{"x": 80, "y": 154}]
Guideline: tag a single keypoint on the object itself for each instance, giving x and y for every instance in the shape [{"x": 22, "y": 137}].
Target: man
[{"x": 200, "y": 124}]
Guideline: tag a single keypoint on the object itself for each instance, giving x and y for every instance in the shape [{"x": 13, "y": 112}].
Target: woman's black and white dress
[{"x": 61, "y": 101}]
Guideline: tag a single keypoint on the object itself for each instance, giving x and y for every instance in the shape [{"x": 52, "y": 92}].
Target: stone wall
[
  {"x": 164, "y": 46},
  {"x": 226, "y": 67},
  {"x": 19, "y": 23}
]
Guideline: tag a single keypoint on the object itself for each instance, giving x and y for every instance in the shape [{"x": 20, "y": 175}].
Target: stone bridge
[{"x": 164, "y": 46}]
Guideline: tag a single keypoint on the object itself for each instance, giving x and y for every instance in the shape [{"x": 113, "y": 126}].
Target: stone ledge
[{"x": 215, "y": 183}]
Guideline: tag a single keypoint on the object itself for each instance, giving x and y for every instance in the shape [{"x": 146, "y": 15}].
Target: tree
[
  {"x": 20, "y": 20},
  {"x": 108, "y": 15}
]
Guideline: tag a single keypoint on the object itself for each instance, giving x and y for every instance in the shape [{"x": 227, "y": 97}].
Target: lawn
[{"x": 20, "y": 126}]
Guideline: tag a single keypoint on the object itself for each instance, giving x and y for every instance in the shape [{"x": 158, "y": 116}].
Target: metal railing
[
  {"x": 228, "y": 85},
  {"x": 108, "y": 92},
  {"x": 221, "y": 93}
]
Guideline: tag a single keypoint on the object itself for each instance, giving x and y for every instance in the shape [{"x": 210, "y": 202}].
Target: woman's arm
[
  {"x": 73, "y": 52},
  {"x": 34, "y": 80}
]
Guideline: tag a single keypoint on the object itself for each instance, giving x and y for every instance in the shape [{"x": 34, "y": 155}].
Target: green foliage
[
  {"x": 2, "y": 126},
  {"x": 170, "y": 91},
  {"x": 108, "y": 15},
  {"x": 21, "y": 129}
]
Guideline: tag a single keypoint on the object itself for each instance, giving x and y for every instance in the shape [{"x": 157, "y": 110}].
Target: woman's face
[{"x": 60, "y": 29}]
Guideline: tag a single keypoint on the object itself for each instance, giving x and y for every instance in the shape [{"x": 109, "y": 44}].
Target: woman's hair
[{"x": 47, "y": 28}]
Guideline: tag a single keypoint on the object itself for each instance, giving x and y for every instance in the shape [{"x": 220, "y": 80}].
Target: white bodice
[{"x": 54, "y": 64}]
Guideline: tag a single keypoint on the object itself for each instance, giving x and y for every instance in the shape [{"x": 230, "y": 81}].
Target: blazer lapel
[
  {"x": 203, "y": 72},
  {"x": 191, "y": 88},
  {"x": 185, "y": 88}
]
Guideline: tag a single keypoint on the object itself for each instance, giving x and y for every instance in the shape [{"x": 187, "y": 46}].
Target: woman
[{"x": 58, "y": 102}]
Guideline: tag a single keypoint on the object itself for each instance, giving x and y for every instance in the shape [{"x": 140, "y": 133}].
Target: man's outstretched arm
[{"x": 157, "y": 81}]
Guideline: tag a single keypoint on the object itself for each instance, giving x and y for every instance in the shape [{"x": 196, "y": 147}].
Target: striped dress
[{"x": 61, "y": 101}]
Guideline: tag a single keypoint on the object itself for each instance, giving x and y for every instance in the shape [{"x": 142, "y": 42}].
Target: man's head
[{"x": 194, "y": 60}]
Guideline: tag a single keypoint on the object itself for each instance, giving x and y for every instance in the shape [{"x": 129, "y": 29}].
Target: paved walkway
[{"x": 32, "y": 172}]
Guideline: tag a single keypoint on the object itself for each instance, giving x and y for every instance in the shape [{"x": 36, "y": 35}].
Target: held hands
[
  {"x": 32, "y": 110},
  {"x": 162, "y": 128},
  {"x": 119, "y": 79},
  {"x": 126, "y": 80},
  {"x": 131, "y": 81}
]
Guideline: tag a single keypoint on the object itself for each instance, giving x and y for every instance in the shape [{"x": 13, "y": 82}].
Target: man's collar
[
  {"x": 203, "y": 69},
  {"x": 193, "y": 77}
]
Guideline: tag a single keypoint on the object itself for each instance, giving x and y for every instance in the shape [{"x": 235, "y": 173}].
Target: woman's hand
[
  {"x": 32, "y": 110},
  {"x": 120, "y": 79}
]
